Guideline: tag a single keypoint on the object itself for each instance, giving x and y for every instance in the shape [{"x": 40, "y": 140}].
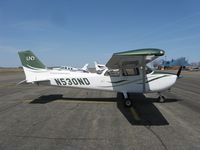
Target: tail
[
  {"x": 29, "y": 60},
  {"x": 96, "y": 66},
  {"x": 85, "y": 67},
  {"x": 33, "y": 67},
  {"x": 99, "y": 67}
]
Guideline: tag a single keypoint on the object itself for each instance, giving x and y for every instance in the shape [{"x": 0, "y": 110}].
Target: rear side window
[{"x": 112, "y": 73}]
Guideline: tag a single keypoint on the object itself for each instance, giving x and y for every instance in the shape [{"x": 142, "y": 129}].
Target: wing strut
[{"x": 143, "y": 73}]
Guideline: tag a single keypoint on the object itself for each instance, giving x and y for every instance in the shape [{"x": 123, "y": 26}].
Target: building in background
[{"x": 172, "y": 64}]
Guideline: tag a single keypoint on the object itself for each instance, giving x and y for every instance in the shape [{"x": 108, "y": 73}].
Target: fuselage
[{"x": 154, "y": 82}]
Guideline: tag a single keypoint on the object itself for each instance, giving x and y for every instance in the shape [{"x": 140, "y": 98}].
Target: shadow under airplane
[{"x": 143, "y": 111}]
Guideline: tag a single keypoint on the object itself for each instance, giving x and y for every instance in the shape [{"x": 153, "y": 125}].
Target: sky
[{"x": 75, "y": 32}]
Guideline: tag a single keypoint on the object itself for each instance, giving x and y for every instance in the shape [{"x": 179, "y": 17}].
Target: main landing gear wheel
[
  {"x": 161, "y": 99},
  {"x": 127, "y": 103}
]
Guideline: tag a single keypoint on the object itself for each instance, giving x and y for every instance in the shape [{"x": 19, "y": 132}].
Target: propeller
[{"x": 179, "y": 71}]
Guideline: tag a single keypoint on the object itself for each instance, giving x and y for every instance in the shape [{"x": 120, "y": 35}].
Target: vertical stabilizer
[
  {"x": 34, "y": 69},
  {"x": 85, "y": 68},
  {"x": 29, "y": 60}
]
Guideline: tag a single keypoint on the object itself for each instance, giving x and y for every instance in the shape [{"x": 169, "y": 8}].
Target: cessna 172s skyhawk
[{"x": 125, "y": 73}]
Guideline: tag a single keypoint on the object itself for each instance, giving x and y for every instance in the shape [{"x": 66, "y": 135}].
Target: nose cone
[
  {"x": 169, "y": 82},
  {"x": 163, "y": 83},
  {"x": 172, "y": 80}
]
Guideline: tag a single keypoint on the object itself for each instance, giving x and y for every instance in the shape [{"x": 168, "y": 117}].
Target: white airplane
[
  {"x": 83, "y": 69},
  {"x": 99, "y": 67},
  {"x": 126, "y": 73}
]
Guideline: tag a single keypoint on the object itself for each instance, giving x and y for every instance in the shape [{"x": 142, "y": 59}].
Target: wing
[{"x": 137, "y": 57}]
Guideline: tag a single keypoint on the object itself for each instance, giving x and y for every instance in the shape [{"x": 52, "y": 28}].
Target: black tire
[
  {"x": 127, "y": 103},
  {"x": 161, "y": 99}
]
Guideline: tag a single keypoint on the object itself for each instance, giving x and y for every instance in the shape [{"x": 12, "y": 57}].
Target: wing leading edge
[{"x": 134, "y": 57}]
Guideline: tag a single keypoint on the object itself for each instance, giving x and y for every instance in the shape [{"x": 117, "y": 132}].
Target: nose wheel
[
  {"x": 161, "y": 98},
  {"x": 127, "y": 101}
]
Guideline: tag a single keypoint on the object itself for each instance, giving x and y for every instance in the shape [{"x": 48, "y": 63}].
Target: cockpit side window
[{"x": 131, "y": 72}]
